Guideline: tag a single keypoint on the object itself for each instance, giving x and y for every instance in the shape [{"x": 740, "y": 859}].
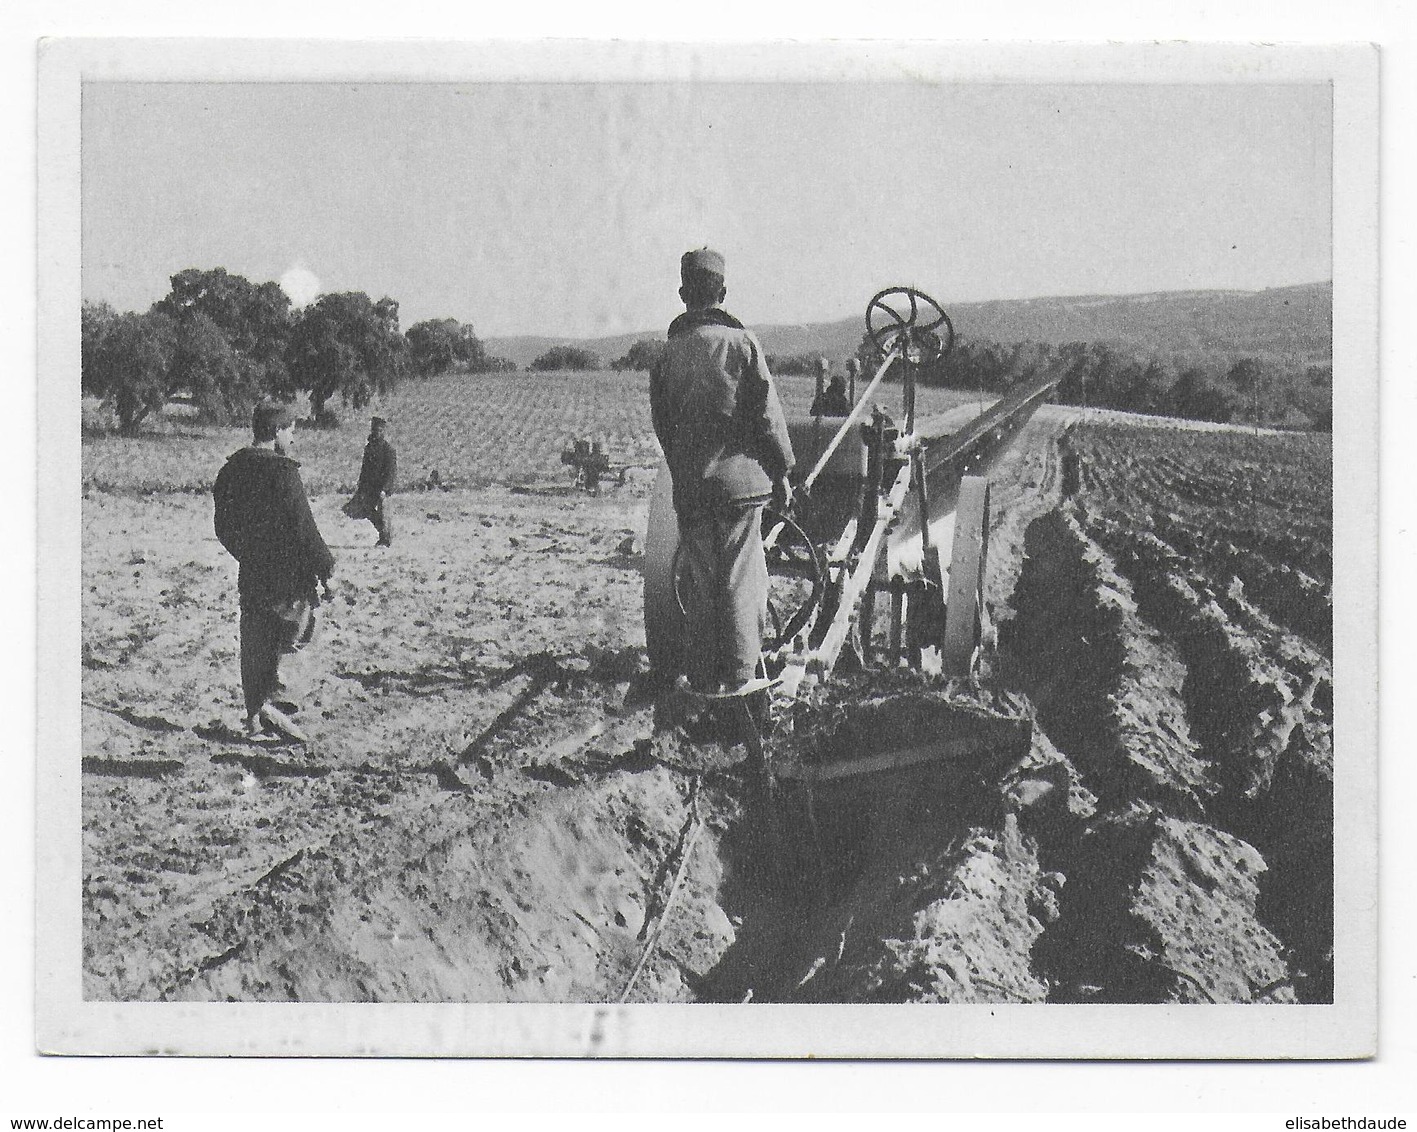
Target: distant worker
[
  {"x": 834, "y": 401},
  {"x": 263, "y": 519},
  {"x": 718, "y": 418},
  {"x": 376, "y": 480},
  {"x": 597, "y": 465}
]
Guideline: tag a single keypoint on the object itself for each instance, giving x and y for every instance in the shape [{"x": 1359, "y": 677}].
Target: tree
[
  {"x": 1146, "y": 387},
  {"x": 642, "y": 355},
  {"x": 471, "y": 353},
  {"x": 438, "y": 345},
  {"x": 388, "y": 350},
  {"x": 1074, "y": 363},
  {"x": 793, "y": 363},
  {"x": 95, "y": 321},
  {"x": 1197, "y": 397},
  {"x": 265, "y": 335},
  {"x": 132, "y": 366},
  {"x": 492, "y": 363},
  {"x": 255, "y": 320},
  {"x": 433, "y": 345},
  {"x": 1250, "y": 381},
  {"x": 205, "y": 366},
  {"x": 1313, "y": 396},
  {"x": 568, "y": 358},
  {"x": 1105, "y": 376},
  {"x": 344, "y": 344}
]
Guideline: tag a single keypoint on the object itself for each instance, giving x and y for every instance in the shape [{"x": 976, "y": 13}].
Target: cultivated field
[
  {"x": 480, "y": 815},
  {"x": 1174, "y": 631},
  {"x": 471, "y": 430}
]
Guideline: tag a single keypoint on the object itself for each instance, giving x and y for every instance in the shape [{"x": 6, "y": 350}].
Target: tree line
[
  {"x": 1245, "y": 390},
  {"x": 1095, "y": 374},
  {"x": 223, "y": 343},
  {"x": 641, "y": 355}
]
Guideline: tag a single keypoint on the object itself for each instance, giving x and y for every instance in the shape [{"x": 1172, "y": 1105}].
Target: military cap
[
  {"x": 701, "y": 261},
  {"x": 377, "y": 420},
  {"x": 272, "y": 416}
]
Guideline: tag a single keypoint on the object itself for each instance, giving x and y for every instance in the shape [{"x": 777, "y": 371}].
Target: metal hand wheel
[{"x": 907, "y": 320}]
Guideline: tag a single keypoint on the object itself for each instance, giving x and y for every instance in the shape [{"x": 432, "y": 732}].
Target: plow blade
[
  {"x": 951, "y": 455},
  {"x": 934, "y": 732}
]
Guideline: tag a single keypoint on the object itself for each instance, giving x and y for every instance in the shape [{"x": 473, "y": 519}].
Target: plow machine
[{"x": 887, "y": 509}]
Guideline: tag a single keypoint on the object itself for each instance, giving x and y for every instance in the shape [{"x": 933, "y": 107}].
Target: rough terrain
[{"x": 480, "y": 816}]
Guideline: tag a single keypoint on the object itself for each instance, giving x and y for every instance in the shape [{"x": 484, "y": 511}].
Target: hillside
[{"x": 1283, "y": 324}]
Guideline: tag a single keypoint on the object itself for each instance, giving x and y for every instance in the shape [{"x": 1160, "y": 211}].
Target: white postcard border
[{"x": 66, "y": 1023}]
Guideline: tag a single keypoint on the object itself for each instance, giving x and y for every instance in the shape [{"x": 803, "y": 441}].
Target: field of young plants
[{"x": 471, "y": 430}]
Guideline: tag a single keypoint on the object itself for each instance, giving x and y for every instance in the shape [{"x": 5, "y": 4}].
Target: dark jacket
[
  {"x": 263, "y": 519},
  {"x": 376, "y": 474},
  {"x": 716, "y": 413},
  {"x": 832, "y": 403}
]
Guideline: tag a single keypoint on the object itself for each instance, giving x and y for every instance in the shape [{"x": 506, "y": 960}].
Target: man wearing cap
[
  {"x": 833, "y": 400},
  {"x": 263, "y": 519},
  {"x": 721, "y": 426},
  {"x": 376, "y": 480}
]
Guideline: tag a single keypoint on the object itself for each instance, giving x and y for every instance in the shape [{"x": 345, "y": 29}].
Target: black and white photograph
[{"x": 645, "y": 551}]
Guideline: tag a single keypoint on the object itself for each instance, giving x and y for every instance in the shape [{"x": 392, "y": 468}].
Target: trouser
[
  {"x": 724, "y": 586},
  {"x": 379, "y": 515},
  {"x": 271, "y": 639}
]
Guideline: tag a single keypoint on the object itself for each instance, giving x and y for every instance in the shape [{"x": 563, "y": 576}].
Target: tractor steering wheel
[{"x": 907, "y": 320}]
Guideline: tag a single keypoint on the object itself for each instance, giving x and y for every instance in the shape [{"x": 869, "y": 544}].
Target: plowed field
[
  {"x": 480, "y": 816},
  {"x": 1175, "y": 634}
]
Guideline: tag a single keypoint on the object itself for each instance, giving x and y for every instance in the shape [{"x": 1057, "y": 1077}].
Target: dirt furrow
[{"x": 1142, "y": 647}]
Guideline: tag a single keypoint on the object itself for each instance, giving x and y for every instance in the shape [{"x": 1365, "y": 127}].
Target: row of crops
[
  {"x": 458, "y": 430},
  {"x": 1175, "y": 631},
  {"x": 1252, "y": 514}
]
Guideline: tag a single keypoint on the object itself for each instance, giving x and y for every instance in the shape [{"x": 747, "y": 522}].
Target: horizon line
[
  {"x": 948, "y": 304},
  {"x": 816, "y": 322}
]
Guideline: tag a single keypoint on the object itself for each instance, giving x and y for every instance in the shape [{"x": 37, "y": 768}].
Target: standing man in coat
[
  {"x": 376, "y": 480},
  {"x": 718, "y": 418},
  {"x": 833, "y": 401},
  {"x": 263, "y": 519}
]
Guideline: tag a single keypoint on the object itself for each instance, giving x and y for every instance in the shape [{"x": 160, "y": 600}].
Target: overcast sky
[{"x": 562, "y": 209}]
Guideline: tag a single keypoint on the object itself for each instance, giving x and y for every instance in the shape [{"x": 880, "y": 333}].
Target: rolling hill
[{"x": 1292, "y": 325}]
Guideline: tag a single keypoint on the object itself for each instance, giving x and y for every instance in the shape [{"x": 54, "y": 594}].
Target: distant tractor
[{"x": 590, "y": 464}]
